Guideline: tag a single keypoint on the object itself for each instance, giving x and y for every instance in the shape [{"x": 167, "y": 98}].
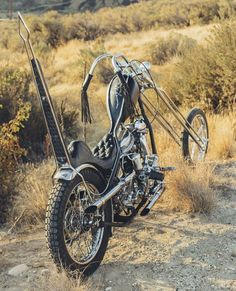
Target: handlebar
[
  {"x": 89, "y": 76},
  {"x": 133, "y": 68},
  {"x": 98, "y": 60}
]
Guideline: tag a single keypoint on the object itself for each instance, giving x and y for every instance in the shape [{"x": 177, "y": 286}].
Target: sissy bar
[{"x": 59, "y": 149}]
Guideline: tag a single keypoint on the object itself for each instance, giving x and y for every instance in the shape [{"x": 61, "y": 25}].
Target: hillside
[{"x": 62, "y": 5}]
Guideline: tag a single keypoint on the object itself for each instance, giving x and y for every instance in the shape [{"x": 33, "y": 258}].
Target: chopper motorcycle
[{"x": 96, "y": 190}]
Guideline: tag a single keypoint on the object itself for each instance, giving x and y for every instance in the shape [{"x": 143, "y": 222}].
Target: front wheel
[
  {"x": 192, "y": 152},
  {"x": 77, "y": 241}
]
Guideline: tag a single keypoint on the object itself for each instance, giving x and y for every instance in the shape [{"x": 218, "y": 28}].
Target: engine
[{"x": 136, "y": 157}]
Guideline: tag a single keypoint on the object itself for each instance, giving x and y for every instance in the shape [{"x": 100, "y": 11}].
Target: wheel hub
[
  {"x": 87, "y": 222},
  {"x": 75, "y": 221}
]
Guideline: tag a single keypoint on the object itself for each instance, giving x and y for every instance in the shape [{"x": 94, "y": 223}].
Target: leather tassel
[{"x": 85, "y": 110}]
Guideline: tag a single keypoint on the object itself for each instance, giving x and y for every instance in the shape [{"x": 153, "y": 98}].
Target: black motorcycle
[{"x": 96, "y": 190}]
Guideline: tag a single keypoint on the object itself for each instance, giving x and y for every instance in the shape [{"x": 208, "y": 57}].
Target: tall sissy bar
[
  {"x": 59, "y": 149},
  {"x": 65, "y": 169}
]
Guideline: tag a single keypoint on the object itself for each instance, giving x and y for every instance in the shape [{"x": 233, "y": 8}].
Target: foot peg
[{"x": 156, "y": 175}]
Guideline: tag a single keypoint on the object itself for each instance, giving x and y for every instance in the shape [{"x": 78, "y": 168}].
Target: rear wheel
[
  {"x": 191, "y": 150},
  {"x": 77, "y": 242}
]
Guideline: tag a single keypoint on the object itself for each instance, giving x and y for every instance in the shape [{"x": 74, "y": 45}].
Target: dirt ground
[{"x": 164, "y": 251}]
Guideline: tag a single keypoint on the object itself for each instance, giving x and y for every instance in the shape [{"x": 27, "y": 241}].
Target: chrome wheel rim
[
  {"x": 195, "y": 151},
  {"x": 82, "y": 238}
]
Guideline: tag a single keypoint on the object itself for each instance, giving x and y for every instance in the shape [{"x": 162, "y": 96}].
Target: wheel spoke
[
  {"x": 195, "y": 151},
  {"x": 80, "y": 240}
]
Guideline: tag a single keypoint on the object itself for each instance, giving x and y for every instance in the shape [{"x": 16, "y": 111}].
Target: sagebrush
[
  {"x": 206, "y": 75},
  {"x": 10, "y": 154}
]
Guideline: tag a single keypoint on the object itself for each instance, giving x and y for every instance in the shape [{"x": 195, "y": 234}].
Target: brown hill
[{"x": 61, "y": 5}]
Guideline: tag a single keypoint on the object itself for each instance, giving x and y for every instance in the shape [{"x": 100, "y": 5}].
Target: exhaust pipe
[
  {"x": 100, "y": 202},
  {"x": 156, "y": 196}
]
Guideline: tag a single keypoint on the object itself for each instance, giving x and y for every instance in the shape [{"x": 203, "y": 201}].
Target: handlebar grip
[{"x": 87, "y": 81}]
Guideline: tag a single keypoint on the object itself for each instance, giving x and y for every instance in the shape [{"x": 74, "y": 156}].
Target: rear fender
[{"x": 68, "y": 173}]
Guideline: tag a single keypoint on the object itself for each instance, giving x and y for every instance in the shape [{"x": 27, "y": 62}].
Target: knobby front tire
[{"x": 58, "y": 229}]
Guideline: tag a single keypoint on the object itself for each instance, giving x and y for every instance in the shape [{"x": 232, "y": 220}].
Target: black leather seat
[{"x": 81, "y": 154}]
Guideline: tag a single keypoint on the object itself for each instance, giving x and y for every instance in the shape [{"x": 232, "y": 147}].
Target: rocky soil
[{"x": 165, "y": 251}]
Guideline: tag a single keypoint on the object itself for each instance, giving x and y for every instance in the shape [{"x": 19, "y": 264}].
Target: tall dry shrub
[
  {"x": 207, "y": 74},
  {"x": 53, "y": 28},
  {"x": 10, "y": 153},
  {"x": 14, "y": 85},
  {"x": 175, "y": 44}
]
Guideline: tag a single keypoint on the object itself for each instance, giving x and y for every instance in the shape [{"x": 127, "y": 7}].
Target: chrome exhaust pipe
[
  {"x": 100, "y": 202},
  {"x": 156, "y": 196}
]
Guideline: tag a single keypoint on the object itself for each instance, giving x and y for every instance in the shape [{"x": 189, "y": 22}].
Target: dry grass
[
  {"x": 189, "y": 189},
  {"x": 33, "y": 193},
  {"x": 59, "y": 281},
  {"x": 137, "y": 44},
  {"x": 222, "y": 130}
]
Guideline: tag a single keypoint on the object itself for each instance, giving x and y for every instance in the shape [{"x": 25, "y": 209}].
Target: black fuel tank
[{"x": 115, "y": 98}]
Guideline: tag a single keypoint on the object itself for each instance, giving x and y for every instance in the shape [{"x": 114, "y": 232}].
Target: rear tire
[{"x": 56, "y": 225}]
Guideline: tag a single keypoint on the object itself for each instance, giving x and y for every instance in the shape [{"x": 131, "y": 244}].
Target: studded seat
[
  {"x": 104, "y": 148},
  {"x": 103, "y": 155}
]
